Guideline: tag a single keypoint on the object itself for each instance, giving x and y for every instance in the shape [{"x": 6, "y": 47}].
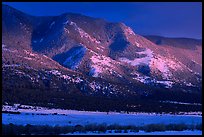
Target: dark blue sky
[{"x": 171, "y": 19}]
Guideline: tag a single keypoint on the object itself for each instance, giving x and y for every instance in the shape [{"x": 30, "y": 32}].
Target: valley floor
[
  {"x": 185, "y": 132},
  {"x": 52, "y": 117}
]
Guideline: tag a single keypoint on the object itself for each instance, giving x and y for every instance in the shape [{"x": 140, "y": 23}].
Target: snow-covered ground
[
  {"x": 137, "y": 61},
  {"x": 185, "y": 132},
  {"x": 43, "y": 116},
  {"x": 175, "y": 102}
]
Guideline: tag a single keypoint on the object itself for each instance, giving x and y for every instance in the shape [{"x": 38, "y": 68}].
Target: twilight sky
[{"x": 171, "y": 19}]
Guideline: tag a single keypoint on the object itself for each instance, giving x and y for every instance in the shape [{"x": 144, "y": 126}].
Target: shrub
[
  {"x": 119, "y": 131},
  {"x": 125, "y": 131},
  {"x": 154, "y": 127},
  {"x": 12, "y": 129},
  {"x": 91, "y": 127},
  {"x": 180, "y": 127},
  {"x": 79, "y": 128},
  {"x": 8, "y": 129},
  {"x": 114, "y": 127},
  {"x": 102, "y": 127},
  {"x": 57, "y": 130},
  {"x": 198, "y": 127}
]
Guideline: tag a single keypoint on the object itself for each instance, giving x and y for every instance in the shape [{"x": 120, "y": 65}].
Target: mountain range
[{"x": 75, "y": 55}]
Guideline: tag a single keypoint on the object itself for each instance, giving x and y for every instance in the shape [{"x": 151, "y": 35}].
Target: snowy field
[
  {"x": 185, "y": 132},
  {"x": 89, "y": 118},
  {"x": 44, "y": 116}
]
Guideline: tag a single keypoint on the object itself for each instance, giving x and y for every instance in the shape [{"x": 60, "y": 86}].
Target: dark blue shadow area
[{"x": 71, "y": 58}]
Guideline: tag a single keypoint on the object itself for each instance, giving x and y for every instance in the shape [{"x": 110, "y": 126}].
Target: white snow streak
[
  {"x": 52, "y": 24},
  {"x": 138, "y": 61}
]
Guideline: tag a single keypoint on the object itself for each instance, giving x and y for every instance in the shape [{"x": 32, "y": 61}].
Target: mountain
[{"x": 91, "y": 57}]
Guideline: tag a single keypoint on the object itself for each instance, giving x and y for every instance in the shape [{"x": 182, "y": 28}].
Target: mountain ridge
[{"x": 84, "y": 55}]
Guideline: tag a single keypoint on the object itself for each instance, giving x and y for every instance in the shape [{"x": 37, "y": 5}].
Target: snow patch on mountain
[
  {"x": 55, "y": 72},
  {"x": 75, "y": 56},
  {"x": 138, "y": 61},
  {"x": 196, "y": 62},
  {"x": 189, "y": 84},
  {"x": 30, "y": 53},
  {"x": 94, "y": 86},
  {"x": 38, "y": 40},
  {"x": 81, "y": 32},
  {"x": 66, "y": 22},
  {"x": 28, "y": 58},
  {"x": 12, "y": 65},
  {"x": 94, "y": 72},
  {"x": 86, "y": 35},
  {"x": 52, "y": 24},
  {"x": 98, "y": 64},
  {"x": 71, "y": 78},
  {"x": 155, "y": 62},
  {"x": 146, "y": 80},
  {"x": 41, "y": 39},
  {"x": 99, "y": 48},
  {"x": 59, "y": 74},
  {"x": 163, "y": 65},
  {"x": 143, "y": 79},
  {"x": 129, "y": 31},
  {"x": 101, "y": 64},
  {"x": 137, "y": 44},
  {"x": 106, "y": 88},
  {"x": 167, "y": 84},
  {"x": 160, "y": 64},
  {"x": 66, "y": 30},
  {"x": 3, "y": 46}
]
